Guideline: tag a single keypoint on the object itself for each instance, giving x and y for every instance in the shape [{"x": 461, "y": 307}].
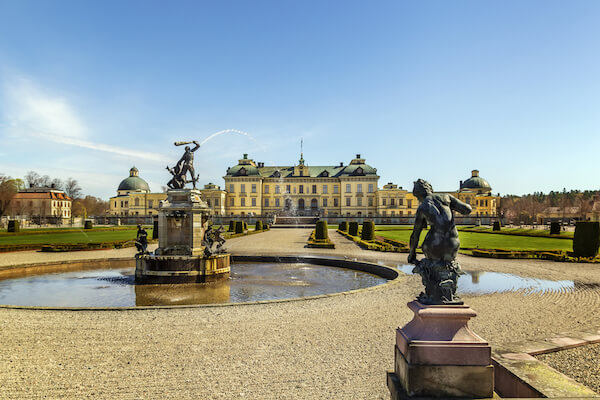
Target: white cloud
[{"x": 33, "y": 112}]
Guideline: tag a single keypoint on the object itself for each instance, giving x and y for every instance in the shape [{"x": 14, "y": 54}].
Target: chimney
[
  {"x": 245, "y": 156},
  {"x": 31, "y": 185},
  {"x": 341, "y": 164},
  {"x": 474, "y": 173},
  {"x": 460, "y": 185},
  {"x": 358, "y": 156}
]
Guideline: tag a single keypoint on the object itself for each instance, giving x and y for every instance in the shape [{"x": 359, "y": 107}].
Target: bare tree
[
  {"x": 72, "y": 189},
  {"x": 45, "y": 181},
  {"x": 57, "y": 183},
  {"x": 32, "y": 179},
  {"x": 8, "y": 188}
]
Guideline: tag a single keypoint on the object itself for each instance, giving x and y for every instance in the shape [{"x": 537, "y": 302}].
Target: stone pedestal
[
  {"x": 437, "y": 355},
  {"x": 180, "y": 258}
]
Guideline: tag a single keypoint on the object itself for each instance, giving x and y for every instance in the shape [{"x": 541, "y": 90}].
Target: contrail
[{"x": 232, "y": 131}]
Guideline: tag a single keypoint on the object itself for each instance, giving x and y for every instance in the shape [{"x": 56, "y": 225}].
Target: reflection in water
[
  {"x": 481, "y": 282},
  {"x": 116, "y": 287}
]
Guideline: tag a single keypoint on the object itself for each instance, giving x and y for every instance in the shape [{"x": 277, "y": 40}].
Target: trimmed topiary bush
[
  {"x": 321, "y": 230},
  {"x": 14, "y": 226},
  {"x": 155, "y": 229},
  {"x": 555, "y": 228},
  {"x": 344, "y": 226},
  {"x": 88, "y": 225},
  {"x": 496, "y": 226},
  {"x": 245, "y": 226},
  {"x": 231, "y": 226},
  {"x": 368, "y": 231},
  {"x": 239, "y": 227},
  {"x": 353, "y": 228},
  {"x": 587, "y": 239},
  {"x": 258, "y": 226}
]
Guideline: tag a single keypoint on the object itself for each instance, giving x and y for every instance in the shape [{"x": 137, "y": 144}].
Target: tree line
[
  {"x": 526, "y": 208},
  {"x": 83, "y": 205}
]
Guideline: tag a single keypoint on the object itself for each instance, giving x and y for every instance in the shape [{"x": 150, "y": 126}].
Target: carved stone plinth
[{"x": 437, "y": 355}]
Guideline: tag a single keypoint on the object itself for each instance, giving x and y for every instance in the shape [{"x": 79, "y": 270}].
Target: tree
[
  {"x": 8, "y": 188},
  {"x": 32, "y": 179},
  {"x": 57, "y": 184},
  {"x": 72, "y": 188},
  {"x": 45, "y": 181}
]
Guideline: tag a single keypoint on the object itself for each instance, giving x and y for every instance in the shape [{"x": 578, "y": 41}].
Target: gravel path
[
  {"x": 580, "y": 363},
  {"x": 335, "y": 347}
]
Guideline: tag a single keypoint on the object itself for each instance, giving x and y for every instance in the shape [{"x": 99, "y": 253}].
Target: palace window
[
  {"x": 359, "y": 201},
  {"x": 253, "y": 202},
  {"x": 393, "y": 213},
  {"x": 401, "y": 213},
  {"x": 400, "y": 202},
  {"x": 276, "y": 189},
  {"x": 232, "y": 202},
  {"x": 370, "y": 188},
  {"x": 347, "y": 201},
  {"x": 383, "y": 201},
  {"x": 243, "y": 202},
  {"x": 136, "y": 202},
  {"x": 150, "y": 203},
  {"x": 243, "y": 188},
  {"x": 266, "y": 202},
  {"x": 231, "y": 188},
  {"x": 266, "y": 188},
  {"x": 254, "y": 188},
  {"x": 336, "y": 203},
  {"x": 288, "y": 188},
  {"x": 314, "y": 188},
  {"x": 409, "y": 204},
  {"x": 208, "y": 202},
  {"x": 301, "y": 189},
  {"x": 335, "y": 189},
  {"x": 324, "y": 202},
  {"x": 359, "y": 188},
  {"x": 370, "y": 202},
  {"x": 216, "y": 202},
  {"x": 384, "y": 213},
  {"x": 348, "y": 188},
  {"x": 392, "y": 202},
  {"x": 276, "y": 202},
  {"x": 324, "y": 189}
]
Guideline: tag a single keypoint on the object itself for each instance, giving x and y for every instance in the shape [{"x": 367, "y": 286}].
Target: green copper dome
[
  {"x": 475, "y": 182},
  {"x": 134, "y": 182}
]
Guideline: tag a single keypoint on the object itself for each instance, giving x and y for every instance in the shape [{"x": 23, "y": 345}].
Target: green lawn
[
  {"x": 83, "y": 236},
  {"x": 489, "y": 241}
]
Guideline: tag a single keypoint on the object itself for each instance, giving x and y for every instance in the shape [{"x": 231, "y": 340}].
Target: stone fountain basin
[{"x": 110, "y": 283}]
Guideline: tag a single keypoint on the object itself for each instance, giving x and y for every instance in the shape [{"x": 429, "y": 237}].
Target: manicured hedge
[
  {"x": 321, "y": 230},
  {"x": 14, "y": 226},
  {"x": 368, "y": 231},
  {"x": 353, "y": 228},
  {"x": 88, "y": 225},
  {"x": 231, "y": 226},
  {"x": 239, "y": 227},
  {"x": 258, "y": 226},
  {"x": 496, "y": 226},
  {"x": 554, "y": 228},
  {"x": 344, "y": 226},
  {"x": 587, "y": 239}
]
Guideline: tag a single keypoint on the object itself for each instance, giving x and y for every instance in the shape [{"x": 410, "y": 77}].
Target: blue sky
[{"x": 427, "y": 89}]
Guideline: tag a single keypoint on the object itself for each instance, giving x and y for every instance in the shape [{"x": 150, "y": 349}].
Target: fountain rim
[{"x": 392, "y": 275}]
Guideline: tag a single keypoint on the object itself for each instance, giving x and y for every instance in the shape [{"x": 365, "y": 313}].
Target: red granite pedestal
[{"x": 437, "y": 355}]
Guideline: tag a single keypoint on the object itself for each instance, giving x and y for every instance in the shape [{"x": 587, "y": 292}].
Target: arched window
[
  {"x": 313, "y": 203},
  {"x": 301, "y": 204}
]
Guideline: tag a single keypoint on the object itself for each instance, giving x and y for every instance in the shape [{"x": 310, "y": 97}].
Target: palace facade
[{"x": 253, "y": 189}]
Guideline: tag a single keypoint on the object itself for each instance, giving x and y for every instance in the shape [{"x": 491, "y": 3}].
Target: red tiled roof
[{"x": 38, "y": 195}]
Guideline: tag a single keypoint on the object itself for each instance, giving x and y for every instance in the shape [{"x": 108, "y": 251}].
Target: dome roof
[
  {"x": 134, "y": 182},
  {"x": 475, "y": 182}
]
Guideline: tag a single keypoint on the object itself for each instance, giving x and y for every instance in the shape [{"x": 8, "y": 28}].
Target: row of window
[
  {"x": 301, "y": 188},
  {"x": 314, "y": 202},
  {"x": 400, "y": 202}
]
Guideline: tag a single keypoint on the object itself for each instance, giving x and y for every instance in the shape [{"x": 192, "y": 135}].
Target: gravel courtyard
[{"x": 332, "y": 347}]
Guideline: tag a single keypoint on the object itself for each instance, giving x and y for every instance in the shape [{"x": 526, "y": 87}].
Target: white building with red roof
[{"x": 44, "y": 203}]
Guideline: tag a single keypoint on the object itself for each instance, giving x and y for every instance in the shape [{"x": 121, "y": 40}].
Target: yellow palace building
[{"x": 333, "y": 191}]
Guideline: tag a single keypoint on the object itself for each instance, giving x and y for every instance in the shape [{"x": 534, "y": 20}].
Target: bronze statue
[
  {"x": 183, "y": 166},
  {"x": 141, "y": 241},
  {"x": 439, "y": 269}
]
